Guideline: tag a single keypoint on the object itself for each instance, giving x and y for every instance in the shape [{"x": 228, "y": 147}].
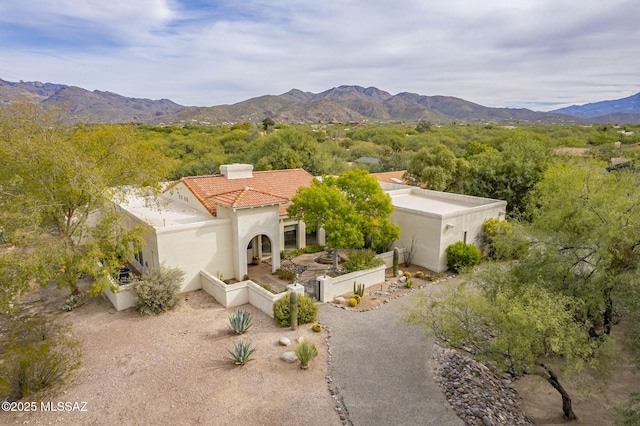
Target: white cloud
[{"x": 495, "y": 52}]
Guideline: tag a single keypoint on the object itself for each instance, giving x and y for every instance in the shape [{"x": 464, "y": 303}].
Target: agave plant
[
  {"x": 305, "y": 351},
  {"x": 242, "y": 352},
  {"x": 240, "y": 321}
]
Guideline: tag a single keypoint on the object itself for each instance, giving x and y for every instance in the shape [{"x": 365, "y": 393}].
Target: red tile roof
[
  {"x": 247, "y": 197},
  {"x": 264, "y": 188}
]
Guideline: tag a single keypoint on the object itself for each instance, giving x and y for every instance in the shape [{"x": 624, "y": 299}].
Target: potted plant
[{"x": 256, "y": 260}]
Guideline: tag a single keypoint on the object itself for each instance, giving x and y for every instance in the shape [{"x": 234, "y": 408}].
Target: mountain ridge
[{"x": 346, "y": 103}]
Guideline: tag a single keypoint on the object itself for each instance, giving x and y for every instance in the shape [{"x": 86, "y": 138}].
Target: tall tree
[
  {"x": 517, "y": 327},
  {"x": 438, "y": 168},
  {"x": 351, "y": 209},
  {"x": 56, "y": 186}
]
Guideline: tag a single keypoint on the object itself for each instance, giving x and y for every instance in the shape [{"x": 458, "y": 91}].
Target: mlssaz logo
[{"x": 63, "y": 406}]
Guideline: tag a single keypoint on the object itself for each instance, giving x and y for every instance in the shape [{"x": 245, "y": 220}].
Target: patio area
[{"x": 261, "y": 273}]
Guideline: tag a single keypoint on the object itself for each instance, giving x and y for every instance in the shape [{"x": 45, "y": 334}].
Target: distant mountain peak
[
  {"x": 628, "y": 105},
  {"x": 345, "y": 103}
]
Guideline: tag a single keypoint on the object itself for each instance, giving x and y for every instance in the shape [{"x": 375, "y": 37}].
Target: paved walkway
[{"x": 380, "y": 368}]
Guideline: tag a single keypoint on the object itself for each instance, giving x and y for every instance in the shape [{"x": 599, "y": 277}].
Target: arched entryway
[{"x": 258, "y": 249}]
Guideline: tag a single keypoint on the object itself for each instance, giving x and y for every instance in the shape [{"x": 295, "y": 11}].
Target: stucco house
[{"x": 220, "y": 223}]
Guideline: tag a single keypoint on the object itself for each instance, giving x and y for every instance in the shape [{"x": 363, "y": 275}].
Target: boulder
[
  {"x": 289, "y": 357},
  {"x": 285, "y": 341}
]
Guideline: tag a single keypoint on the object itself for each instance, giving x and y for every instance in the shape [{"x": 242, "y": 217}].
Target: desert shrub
[
  {"x": 408, "y": 283},
  {"x": 463, "y": 257},
  {"x": 240, "y": 321},
  {"x": 305, "y": 351},
  {"x": 70, "y": 304},
  {"x": 158, "y": 290},
  {"x": 361, "y": 259},
  {"x": 307, "y": 311},
  {"x": 241, "y": 353},
  {"x": 268, "y": 288},
  {"x": 39, "y": 354},
  {"x": 285, "y": 275}
]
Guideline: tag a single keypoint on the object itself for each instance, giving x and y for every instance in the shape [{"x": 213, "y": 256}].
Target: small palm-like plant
[
  {"x": 242, "y": 352},
  {"x": 240, "y": 321},
  {"x": 305, "y": 351}
]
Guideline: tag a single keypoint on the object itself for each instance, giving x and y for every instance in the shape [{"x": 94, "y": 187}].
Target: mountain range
[{"x": 339, "y": 104}]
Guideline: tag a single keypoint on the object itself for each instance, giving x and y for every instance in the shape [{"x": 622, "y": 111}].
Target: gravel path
[{"x": 380, "y": 369}]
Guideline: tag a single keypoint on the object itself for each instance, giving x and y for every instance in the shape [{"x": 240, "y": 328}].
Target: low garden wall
[
  {"x": 229, "y": 295},
  {"x": 123, "y": 299},
  {"x": 333, "y": 287},
  {"x": 387, "y": 257}
]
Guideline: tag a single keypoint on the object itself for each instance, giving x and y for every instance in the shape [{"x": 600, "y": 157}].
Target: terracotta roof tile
[
  {"x": 247, "y": 197},
  {"x": 270, "y": 187}
]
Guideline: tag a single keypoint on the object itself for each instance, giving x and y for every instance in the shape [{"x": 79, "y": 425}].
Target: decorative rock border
[
  {"x": 340, "y": 407},
  {"x": 475, "y": 393}
]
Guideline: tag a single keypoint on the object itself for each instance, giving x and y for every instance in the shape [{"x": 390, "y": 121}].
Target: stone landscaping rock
[
  {"x": 340, "y": 300},
  {"x": 300, "y": 339},
  {"x": 285, "y": 341},
  {"x": 475, "y": 393},
  {"x": 289, "y": 357},
  {"x": 402, "y": 279}
]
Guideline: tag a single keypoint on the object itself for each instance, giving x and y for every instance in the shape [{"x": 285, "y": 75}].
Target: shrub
[
  {"x": 463, "y": 257},
  {"x": 242, "y": 352},
  {"x": 158, "y": 290},
  {"x": 361, "y": 259},
  {"x": 268, "y": 288},
  {"x": 70, "y": 304},
  {"x": 240, "y": 321},
  {"x": 285, "y": 275},
  {"x": 408, "y": 283},
  {"x": 38, "y": 355},
  {"x": 307, "y": 310},
  {"x": 420, "y": 274},
  {"x": 305, "y": 351}
]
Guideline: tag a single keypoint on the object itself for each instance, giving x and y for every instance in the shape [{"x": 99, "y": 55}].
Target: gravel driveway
[{"x": 382, "y": 368}]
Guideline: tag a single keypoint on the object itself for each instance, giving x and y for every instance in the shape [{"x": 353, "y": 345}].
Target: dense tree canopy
[
  {"x": 351, "y": 208},
  {"x": 54, "y": 179}
]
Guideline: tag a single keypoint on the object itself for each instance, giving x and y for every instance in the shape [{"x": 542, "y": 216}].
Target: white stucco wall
[
  {"x": 437, "y": 220},
  {"x": 180, "y": 194},
  {"x": 195, "y": 247},
  {"x": 245, "y": 225}
]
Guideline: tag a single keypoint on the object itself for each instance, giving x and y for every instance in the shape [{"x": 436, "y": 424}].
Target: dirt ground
[{"x": 174, "y": 369}]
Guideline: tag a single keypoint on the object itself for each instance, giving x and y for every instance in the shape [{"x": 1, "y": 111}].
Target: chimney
[{"x": 237, "y": 171}]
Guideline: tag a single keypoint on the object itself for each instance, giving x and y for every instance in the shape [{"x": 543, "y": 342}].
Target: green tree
[
  {"x": 54, "y": 182},
  {"x": 588, "y": 238},
  {"x": 349, "y": 208},
  {"x": 438, "y": 168},
  {"x": 516, "y": 327},
  {"x": 268, "y": 124},
  {"x": 508, "y": 174}
]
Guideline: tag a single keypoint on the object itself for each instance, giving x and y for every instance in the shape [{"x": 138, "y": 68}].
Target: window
[
  {"x": 138, "y": 257},
  {"x": 291, "y": 237}
]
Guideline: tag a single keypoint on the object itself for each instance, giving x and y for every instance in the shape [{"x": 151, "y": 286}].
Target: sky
[{"x": 537, "y": 54}]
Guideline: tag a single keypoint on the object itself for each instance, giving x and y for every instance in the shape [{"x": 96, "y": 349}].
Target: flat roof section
[
  {"x": 163, "y": 214},
  {"x": 429, "y": 204}
]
